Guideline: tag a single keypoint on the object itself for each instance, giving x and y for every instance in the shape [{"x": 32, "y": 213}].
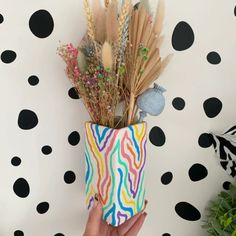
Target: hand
[{"x": 96, "y": 226}]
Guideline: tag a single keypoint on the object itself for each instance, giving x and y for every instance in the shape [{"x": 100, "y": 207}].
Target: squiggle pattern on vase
[{"x": 115, "y": 168}]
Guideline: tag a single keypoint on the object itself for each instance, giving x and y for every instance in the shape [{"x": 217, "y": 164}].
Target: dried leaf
[
  {"x": 159, "y": 18},
  {"x": 160, "y": 41},
  {"x": 146, "y": 5}
]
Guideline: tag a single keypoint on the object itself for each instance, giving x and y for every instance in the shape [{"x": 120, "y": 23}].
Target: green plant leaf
[
  {"x": 220, "y": 214},
  {"x": 228, "y": 222},
  {"x": 233, "y": 233}
]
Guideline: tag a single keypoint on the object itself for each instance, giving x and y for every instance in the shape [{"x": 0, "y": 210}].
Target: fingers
[
  {"x": 94, "y": 218},
  {"x": 137, "y": 226},
  {"x": 127, "y": 225}
]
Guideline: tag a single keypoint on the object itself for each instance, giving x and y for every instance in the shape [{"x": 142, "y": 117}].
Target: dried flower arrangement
[{"x": 117, "y": 60}]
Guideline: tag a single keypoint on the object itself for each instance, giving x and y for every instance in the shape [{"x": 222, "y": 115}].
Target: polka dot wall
[{"x": 42, "y": 165}]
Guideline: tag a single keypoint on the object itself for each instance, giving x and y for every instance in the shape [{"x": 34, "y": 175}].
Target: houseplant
[{"x": 220, "y": 217}]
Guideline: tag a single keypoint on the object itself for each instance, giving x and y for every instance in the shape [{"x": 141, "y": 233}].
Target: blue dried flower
[{"x": 152, "y": 101}]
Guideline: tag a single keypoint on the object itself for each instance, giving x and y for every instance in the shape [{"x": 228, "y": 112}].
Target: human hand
[{"x": 96, "y": 226}]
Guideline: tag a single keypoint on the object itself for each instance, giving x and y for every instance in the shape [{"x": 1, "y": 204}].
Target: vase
[{"x": 115, "y": 169}]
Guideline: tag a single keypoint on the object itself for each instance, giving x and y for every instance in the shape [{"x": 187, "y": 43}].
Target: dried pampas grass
[
  {"x": 99, "y": 15},
  {"x": 107, "y": 56},
  {"x": 111, "y": 22}
]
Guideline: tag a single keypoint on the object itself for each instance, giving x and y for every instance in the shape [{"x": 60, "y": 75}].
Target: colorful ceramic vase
[{"x": 115, "y": 168}]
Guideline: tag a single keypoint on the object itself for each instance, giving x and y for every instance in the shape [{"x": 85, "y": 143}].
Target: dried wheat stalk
[
  {"x": 90, "y": 22},
  {"x": 122, "y": 18}
]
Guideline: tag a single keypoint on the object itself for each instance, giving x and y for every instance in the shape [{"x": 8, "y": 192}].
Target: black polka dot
[
  {"x": 18, "y": 233},
  {"x": 74, "y": 138},
  {"x": 178, "y": 103},
  {"x": 46, "y": 150},
  {"x": 187, "y": 211},
  {"x": 21, "y": 188},
  {"x": 69, "y": 177},
  {"x": 41, "y": 23},
  {"x": 15, "y": 161},
  {"x": 72, "y": 93},
  {"x": 213, "y": 58},
  {"x": 197, "y": 172},
  {"x": 212, "y": 107},
  {"x": 166, "y": 178},
  {"x": 235, "y": 10},
  {"x": 42, "y": 207},
  {"x": 226, "y": 185},
  {"x": 8, "y": 56},
  {"x": 1, "y": 18},
  {"x": 33, "y": 80},
  {"x": 59, "y": 234},
  {"x": 157, "y": 136},
  {"x": 27, "y": 119},
  {"x": 183, "y": 36},
  {"x": 205, "y": 140},
  {"x": 166, "y": 234}
]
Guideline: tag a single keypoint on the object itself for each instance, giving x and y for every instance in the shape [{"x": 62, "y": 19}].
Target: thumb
[{"x": 94, "y": 218}]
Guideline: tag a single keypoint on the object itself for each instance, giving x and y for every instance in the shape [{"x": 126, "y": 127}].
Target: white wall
[{"x": 189, "y": 76}]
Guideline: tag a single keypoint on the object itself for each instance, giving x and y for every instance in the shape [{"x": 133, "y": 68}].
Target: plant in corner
[{"x": 220, "y": 219}]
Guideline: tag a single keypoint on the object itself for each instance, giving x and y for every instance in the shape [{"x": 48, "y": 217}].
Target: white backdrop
[{"x": 42, "y": 165}]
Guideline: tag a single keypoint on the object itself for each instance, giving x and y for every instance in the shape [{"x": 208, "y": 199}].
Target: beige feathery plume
[
  {"x": 99, "y": 19},
  {"x": 82, "y": 64},
  {"x": 90, "y": 21},
  {"x": 112, "y": 22},
  {"x": 107, "y": 58},
  {"x": 157, "y": 27}
]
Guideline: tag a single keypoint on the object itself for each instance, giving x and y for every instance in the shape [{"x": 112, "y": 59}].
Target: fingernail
[
  {"x": 95, "y": 203},
  {"x": 145, "y": 205}
]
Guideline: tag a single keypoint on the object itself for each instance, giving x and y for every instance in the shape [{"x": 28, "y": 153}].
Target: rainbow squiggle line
[{"x": 115, "y": 163}]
